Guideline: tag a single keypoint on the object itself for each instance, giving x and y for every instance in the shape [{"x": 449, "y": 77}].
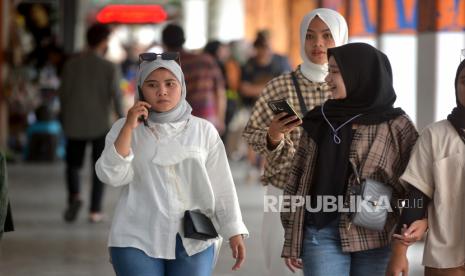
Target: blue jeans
[
  {"x": 322, "y": 255},
  {"x": 129, "y": 261}
]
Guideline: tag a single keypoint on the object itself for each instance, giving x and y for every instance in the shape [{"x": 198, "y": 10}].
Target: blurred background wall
[{"x": 422, "y": 38}]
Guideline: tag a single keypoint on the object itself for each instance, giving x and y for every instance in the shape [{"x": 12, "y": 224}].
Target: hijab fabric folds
[
  {"x": 367, "y": 76},
  {"x": 457, "y": 116},
  {"x": 338, "y": 27},
  {"x": 182, "y": 110}
]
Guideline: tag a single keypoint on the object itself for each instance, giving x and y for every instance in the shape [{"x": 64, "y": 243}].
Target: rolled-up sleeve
[
  {"x": 419, "y": 171},
  {"x": 227, "y": 209},
  {"x": 112, "y": 168}
]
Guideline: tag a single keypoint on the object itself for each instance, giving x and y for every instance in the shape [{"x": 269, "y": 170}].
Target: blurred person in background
[
  {"x": 129, "y": 68},
  {"x": 260, "y": 69},
  {"x": 89, "y": 87},
  {"x": 204, "y": 80},
  {"x": 241, "y": 51},
  {"x": 231, "y": 74},
  {"x": 255, "y": 74},
  {"x": 44, "y": 137},
  {"x": 272, "y": 137},
  {"x": 6, "y": 217}
]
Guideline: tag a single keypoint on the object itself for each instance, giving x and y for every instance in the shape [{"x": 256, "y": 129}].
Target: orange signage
[
  {"x": 400, "y": 16},
  {"x": 451, "y": 15}
]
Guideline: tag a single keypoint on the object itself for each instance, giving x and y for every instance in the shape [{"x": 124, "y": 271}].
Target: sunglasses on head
[{"x": 164, "y": 56}]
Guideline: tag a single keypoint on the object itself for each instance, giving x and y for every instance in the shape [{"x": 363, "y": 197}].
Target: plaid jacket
[
  {"x": 382, "y": 152},
  {"x": 279, "y": 160}
]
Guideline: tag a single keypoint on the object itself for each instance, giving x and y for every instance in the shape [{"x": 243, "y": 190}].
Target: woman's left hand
[
  {"x": 238, "y": 250},
  {"x": 398, "y": 262}
]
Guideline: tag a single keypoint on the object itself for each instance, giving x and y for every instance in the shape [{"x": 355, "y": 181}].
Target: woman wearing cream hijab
[{"x": 276, "y": 137}]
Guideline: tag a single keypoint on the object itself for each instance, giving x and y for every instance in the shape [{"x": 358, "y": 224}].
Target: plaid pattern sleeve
[
  {"x": 279, "y": 160},
  {"x": 382, "y": 152},
  {"x": 204, "y": 84},
  {"x": 297, "y": 185}
]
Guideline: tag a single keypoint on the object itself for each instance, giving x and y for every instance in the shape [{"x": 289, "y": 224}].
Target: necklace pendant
[{"x": 336, "y": 138}]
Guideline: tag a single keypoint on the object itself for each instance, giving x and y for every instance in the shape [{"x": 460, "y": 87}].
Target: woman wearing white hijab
[
  {"x": 276, "y": 137},
  {"x": 168, "y": 164}
]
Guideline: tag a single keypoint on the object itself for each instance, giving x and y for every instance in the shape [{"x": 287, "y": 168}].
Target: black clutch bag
[{"x": 198, "y": 226}]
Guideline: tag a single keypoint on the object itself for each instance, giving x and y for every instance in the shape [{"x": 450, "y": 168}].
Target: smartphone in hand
[
  {"x": 282, "y": 105},
  {"x": 141, "y": 97}
]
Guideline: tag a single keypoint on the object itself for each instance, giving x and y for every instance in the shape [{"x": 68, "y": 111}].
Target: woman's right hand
[
  {"x": 139, "y": 109},
  {"x": 280, "y": 126}
]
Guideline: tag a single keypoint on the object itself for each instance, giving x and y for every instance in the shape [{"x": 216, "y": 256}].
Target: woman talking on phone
[
  {"x": 276, "y": 136},
  {"x": 167, "y": 162}
]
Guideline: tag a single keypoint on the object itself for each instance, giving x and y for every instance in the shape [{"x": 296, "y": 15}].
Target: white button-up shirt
[{"x": 171, "y": 168}]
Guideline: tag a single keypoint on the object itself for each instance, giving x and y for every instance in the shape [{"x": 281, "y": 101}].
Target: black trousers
[{"x": 75, "y": 152}]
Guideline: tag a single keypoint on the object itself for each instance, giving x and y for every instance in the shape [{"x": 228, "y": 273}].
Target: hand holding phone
[
  {"x": 137, "y": 114},
  {"x": 282, "y": 105},
  {"x": 141, "y": 97},
  {"x": 282, "y": 123}
]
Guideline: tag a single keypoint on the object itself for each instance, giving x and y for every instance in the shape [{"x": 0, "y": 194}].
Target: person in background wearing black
[
  {"x": 89, "y": 86},
  {"x": 231, "y": 74},
  {"x": 6, "y": 218}
]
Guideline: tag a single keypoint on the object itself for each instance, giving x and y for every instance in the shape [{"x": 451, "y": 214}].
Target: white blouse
[{"x": 171, "y": 168}]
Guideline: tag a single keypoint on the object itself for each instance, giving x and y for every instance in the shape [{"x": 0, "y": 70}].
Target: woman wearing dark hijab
[
  {"x": 437, "y": 169},
  {"x": 358, "y": 128},
  {"x": 276, "y": 137}
]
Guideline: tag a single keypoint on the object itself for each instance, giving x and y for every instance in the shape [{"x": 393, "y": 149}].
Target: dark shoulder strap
[{"x": 303, "y": 107}]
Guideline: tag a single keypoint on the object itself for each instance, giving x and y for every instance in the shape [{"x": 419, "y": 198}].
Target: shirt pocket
[{"x": 170, "y": 155}]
